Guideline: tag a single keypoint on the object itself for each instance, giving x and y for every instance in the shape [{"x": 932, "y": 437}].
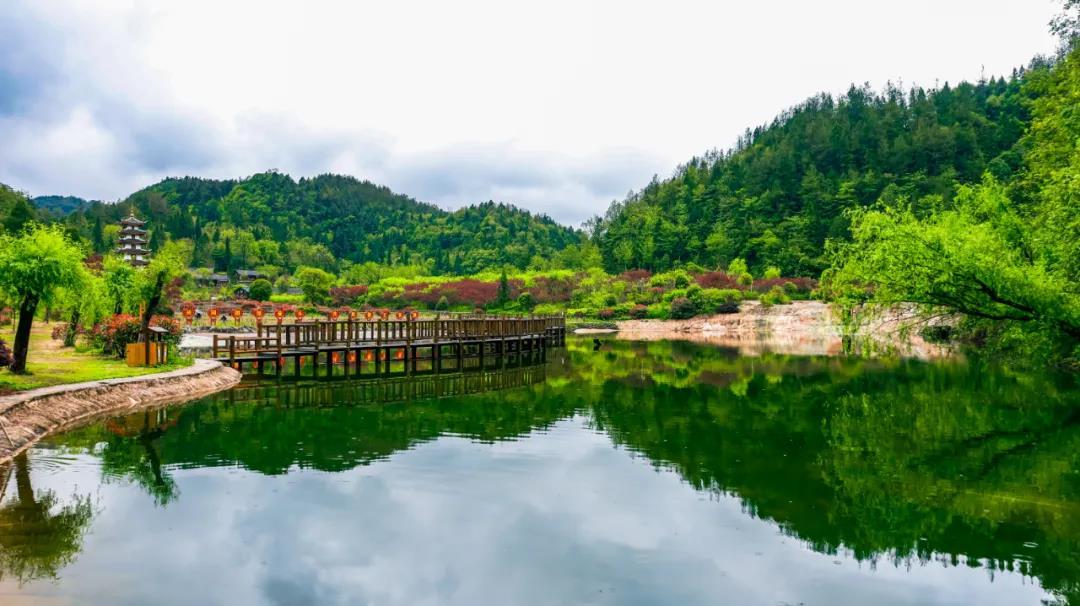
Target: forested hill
[
  {"x": 782, "y": 190},
  {"x": 271, "y": 219}
]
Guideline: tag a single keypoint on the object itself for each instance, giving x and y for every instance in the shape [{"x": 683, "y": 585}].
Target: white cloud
[{"x": 452, "y": 103}]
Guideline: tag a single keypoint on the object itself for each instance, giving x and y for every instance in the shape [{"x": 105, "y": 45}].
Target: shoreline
[
  {"x": 796, "y": 328},
  {"x": 27, "y": 417}
]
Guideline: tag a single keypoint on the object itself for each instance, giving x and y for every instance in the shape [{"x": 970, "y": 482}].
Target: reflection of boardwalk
[
  {"x": 385, "y": 390},
  {"x": 376, "y": 345}
]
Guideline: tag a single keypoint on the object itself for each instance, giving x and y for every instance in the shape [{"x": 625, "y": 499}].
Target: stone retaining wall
[{"x": 27, "y": 417}]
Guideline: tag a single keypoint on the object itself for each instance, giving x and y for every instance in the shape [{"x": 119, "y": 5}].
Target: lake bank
[
  {"x": 27, "y": 417},
  {"x": 798, "y": 328}
]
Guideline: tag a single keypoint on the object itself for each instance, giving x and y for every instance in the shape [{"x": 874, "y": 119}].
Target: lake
[{"x": 640, "y": 473}]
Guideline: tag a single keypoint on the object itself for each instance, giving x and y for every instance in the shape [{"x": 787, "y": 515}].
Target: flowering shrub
[
  {"x": 113, "y": 335},
  {"x": 635, "y": 275},
  {"x": 683, "y": 308},
  {"x": 638, "y": 312},
  {"x": 606, "y": 314},
  {"x": 59, "y": 331},
  {"x": 347, "y": 295},
  {"x": 717, "y": 279},
  {"x": 791, "y": 285}
]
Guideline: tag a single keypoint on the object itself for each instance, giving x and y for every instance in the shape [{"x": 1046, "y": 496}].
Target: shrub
[
  {"x": 606, "y": 314},
  {"x": 639, "y": 312},
  {"x": 682, "y": 279},
  {"x": 938, "y": 333},
  {"x": 345, "y": 295},
  {"x": 525, "y": 301},
  {"x": 775, "y": 296},
  {"x": 721, "y": 301},
  {"x": 772, "y": 272},
  {"x": 112, "y": 336},
  {"x": 635, "y": 275},
  {"x": 610, "y": 300},
  {"x": 59, "y": 331},
  {"x": 261, "y": 289},
  {"x": 442, "y": 304},
  {"x": 658, "y": 311},
  {"x": 682, "y": 308},
  {"x": 716, "y": 279}
]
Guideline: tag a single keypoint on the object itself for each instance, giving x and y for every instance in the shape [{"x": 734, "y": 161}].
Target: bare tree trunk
[
  {"x": 72, "y": 329},
  {"x": 22, "y": 333}
]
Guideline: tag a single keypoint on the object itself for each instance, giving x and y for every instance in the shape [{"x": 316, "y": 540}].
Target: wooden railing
[
  {"x": 281, "y": 337},
  {"x": 386, "y": 331}
]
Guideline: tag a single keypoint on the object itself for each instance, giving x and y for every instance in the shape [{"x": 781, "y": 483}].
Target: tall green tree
[{"x": 33, "y": 266}]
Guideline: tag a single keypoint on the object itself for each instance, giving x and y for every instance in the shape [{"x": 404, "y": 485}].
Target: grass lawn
[{"x": 52, "y": 364}]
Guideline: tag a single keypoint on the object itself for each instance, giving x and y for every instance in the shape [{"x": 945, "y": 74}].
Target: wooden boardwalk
[{"x": 366, "y": 347}]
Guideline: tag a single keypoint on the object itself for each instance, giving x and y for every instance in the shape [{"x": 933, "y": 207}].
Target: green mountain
[
  {"x": 59, "y": 205},
  {"x": 783, "y": 189},
  {"x": 272, "y": 219}
]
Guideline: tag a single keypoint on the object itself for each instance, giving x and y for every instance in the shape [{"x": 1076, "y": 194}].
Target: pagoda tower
[{"x": 133, "y": 241}]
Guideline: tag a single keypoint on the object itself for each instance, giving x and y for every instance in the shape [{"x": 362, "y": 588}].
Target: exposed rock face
[
  {"x": 27, "y": 417},
  {"x": 800, "y": 328}
]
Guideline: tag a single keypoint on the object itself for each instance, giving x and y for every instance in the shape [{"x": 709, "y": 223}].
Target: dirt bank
[
  {"x": 801, "y": 328},
  {"x": 29, "y": 416}
]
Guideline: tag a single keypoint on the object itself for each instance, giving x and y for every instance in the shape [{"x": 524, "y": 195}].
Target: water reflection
[{"x": 880, "y": 462}]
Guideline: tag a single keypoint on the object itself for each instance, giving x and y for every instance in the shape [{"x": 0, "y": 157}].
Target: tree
[
  {"x": 503, "y": 295},
  {"x": 261, "y": 290},
  {"x": 980, "y": 258},
  {"x": 19, "y": 216},
  {"x": 315, "y": 283},
  {"x": 97, "y": 236},
  {"x": 33, "y": 265},
  {"x": 118, "y": 277},
  {"x": 168, "y": 263}
]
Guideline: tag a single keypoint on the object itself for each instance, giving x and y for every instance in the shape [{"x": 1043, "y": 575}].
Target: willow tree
[{"x": 34, "y": 265}]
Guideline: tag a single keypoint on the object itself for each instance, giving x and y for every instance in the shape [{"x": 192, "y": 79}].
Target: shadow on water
[{"x": 888, "y": 460}]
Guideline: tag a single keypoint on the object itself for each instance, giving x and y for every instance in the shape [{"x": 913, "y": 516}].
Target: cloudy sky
[{"x": 556, "y": 106}]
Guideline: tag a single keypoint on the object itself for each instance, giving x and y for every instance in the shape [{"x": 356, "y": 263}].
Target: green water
[{"x": 643, "y": 473}]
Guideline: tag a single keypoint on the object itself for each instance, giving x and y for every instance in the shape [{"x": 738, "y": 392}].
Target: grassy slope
[{"x": 52, "y": 364}]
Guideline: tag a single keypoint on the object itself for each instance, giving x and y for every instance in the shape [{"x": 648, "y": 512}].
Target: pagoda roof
[
  {"x": 132, "y": 220},
  {"x": 133, "y": 251},
  {"x": 131, "y": 229}
]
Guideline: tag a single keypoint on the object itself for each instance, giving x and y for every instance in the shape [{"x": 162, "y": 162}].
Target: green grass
[{"x": 50, "y": 364}]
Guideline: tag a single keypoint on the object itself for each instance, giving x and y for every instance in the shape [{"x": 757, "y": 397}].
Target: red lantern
[
  {"x": 258, "y": 312},
  {"x": 352, "y": 314},
  {"x": 334, "y": 357},
  {"x": 385, "y": 314},
  {"x": 237, "y": 312},
  {"x": 279, "y": 313},
  {"x": 400, "y": 354},
  {"x": 214, "y": 314},
  {"x": 334, "y": 315},
  {"x": 189, "y": 313},
  {"x": 352, "y": 358},
  {"x": 399, "y": 315},
  {"x": 368, "y": 314},
  {"x": 415, "y": 314},
  {"x": 299, "y": 315},
  {"x": 367, "y": 356}
]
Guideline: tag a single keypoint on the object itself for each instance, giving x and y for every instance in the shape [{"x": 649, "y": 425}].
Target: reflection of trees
[
  {"x": 894, "y": 461},
  {"x": 38, "y": 536},
  {"x": 899, "y": 463},
  {"x": 135, "y": 457}
]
